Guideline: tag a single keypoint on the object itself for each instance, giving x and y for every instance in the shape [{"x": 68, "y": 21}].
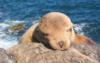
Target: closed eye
[{"x": 69, "y": 30}]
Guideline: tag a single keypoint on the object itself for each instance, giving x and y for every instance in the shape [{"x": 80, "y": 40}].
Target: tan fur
[
  {"x": 79, "y": 39},
  {"x": 59, "y": 29},
  {"x": 56, "y": 30},
  {"x": 27, "y": 36}
]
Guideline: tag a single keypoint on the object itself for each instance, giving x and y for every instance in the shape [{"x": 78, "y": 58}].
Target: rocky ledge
[
  {"x": 38, "y": 53},
  {"x": 6, "y": 57}
]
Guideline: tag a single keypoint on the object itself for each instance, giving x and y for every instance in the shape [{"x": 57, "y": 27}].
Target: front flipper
[{"x": 83, "y": 39}]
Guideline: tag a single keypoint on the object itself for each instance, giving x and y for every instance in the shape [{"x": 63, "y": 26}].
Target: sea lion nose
[{"x": 61, "y": 43}]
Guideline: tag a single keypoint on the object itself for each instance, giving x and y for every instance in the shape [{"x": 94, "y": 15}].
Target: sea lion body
[{"x": 54, "y": 29}]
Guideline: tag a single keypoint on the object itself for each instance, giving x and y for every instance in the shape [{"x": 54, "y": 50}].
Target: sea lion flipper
[{"x": 83, "y": 39}]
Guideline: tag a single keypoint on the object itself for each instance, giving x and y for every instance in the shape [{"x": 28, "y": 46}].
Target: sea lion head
[{"x": 56, "y": 29}]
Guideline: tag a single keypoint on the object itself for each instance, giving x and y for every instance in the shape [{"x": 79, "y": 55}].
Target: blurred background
[{"x": 85, "y": 14}]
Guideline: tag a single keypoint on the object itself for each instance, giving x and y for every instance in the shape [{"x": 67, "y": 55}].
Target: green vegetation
[{"x": 17, "y": 27}]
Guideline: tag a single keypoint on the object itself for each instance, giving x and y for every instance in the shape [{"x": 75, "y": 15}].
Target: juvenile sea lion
[{"x": 56, "y": 30}]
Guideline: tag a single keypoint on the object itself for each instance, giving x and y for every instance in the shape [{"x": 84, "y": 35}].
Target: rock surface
[
  {"x": 6, "y": 57},
  {"x": 17, "y": 27},
  {"x": 38, "y": 53}
]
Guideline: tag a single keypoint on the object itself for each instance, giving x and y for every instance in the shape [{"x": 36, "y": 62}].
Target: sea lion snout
[{"x": 61, "y": 44}]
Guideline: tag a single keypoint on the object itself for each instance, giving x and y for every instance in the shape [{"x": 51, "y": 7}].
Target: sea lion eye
[{"x": 69, "y": 30}]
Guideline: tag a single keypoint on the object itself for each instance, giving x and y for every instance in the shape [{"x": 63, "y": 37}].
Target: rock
[
  {"x": 98, "y": 52},
  {"x": 38, "y": 53},
  {"x": 88, "y": 50},
  {"x": 6, "y": 57},
  {"x": 17, "y": 27}
]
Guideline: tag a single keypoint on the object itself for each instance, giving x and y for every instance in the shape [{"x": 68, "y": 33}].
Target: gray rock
[
  {"x": 6, "y": 57},
  {"x": 38, "y": 53},
  {"x": 88, "y": 50},
  {"x": 98, "y": 52}
]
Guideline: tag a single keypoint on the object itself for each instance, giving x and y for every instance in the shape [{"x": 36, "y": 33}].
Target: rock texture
[
  {"x": 6, "y": 57},
  {"x": 38, "y": 53},
  {"x": 88, "y": 50},
  {"x": 98, "y": 53},
  {"x": 17, "y": 27}
]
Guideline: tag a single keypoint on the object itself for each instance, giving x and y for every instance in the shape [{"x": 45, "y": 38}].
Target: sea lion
[{"x": 55, "y": 29}]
